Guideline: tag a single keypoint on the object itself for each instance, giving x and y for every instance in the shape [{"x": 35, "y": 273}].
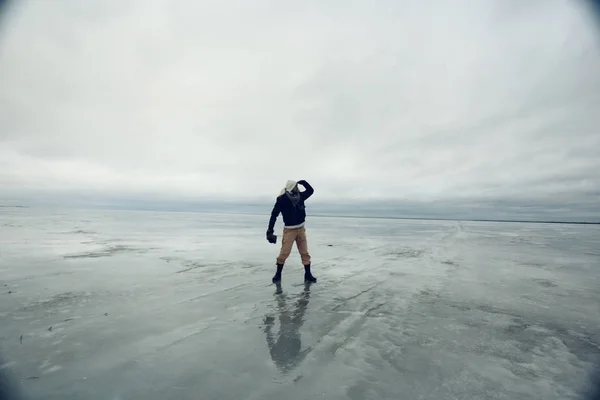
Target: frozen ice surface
[{"x": 141, "y": 305}]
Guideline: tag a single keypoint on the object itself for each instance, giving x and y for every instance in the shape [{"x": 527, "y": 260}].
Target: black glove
[
  {"x": 302, "y": 182},
  {"x": 271, "y": 237}
]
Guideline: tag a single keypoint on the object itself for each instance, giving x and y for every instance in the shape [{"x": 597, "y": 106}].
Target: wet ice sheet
[{"x": 124, "y": 305}]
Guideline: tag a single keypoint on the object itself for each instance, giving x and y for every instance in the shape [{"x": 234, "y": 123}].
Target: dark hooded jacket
[{"x": 291, "y": 206}]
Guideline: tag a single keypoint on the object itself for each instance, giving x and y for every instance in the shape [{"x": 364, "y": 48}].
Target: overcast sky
[{"x": 414, "y": 100}]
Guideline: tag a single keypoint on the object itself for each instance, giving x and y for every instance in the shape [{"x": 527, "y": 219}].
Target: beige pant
[{"x": 290, "y": 236}]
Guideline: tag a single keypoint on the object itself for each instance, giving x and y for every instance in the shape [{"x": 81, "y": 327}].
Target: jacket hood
[{"x": 289, "y": 187}]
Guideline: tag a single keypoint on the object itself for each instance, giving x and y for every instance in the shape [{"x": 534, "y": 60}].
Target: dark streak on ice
[
  {"x": 107, "y": 252},
  {"x": 347, "y": 299}
]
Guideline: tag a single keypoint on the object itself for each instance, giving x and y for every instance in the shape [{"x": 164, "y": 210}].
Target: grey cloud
[{"x": 416, "y": 101}]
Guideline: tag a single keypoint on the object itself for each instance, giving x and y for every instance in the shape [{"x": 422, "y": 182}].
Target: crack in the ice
[
  {"x": 344, "y": 301},
  {"x": 107, "y": 252},
  {"x": 355, "y": 253},
  {"x": 190, "y": 268},
  {"x": 58, "y": 300},
  {"x": 351, "y": 334},
  {"x": 177, "y": 341},
  {"x": 450, "y": 262},
  {"x": 377, "y": 307}
]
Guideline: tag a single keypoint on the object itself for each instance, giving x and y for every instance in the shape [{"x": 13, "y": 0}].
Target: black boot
[
  {"x": 308, "y": 276},
  {"x": 277, "y": 276}
]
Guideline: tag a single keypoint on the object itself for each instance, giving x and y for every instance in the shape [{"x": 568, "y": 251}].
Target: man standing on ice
[{"x": 290, "y": 203}]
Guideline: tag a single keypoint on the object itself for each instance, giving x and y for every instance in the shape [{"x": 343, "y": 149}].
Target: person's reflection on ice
[{"x": 285, "y": 346}]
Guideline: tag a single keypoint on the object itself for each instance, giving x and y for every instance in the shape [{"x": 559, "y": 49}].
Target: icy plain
[{"x": 145, "y": 305}]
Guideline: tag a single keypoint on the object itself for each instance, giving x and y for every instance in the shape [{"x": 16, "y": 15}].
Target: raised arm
[{"x": 308, "y": 190}]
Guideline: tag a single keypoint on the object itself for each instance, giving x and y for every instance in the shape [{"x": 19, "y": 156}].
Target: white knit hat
[{"x": 289, "y": 186}]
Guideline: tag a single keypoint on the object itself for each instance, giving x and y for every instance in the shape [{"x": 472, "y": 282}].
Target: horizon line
[{"x": 329, "y": 215}]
